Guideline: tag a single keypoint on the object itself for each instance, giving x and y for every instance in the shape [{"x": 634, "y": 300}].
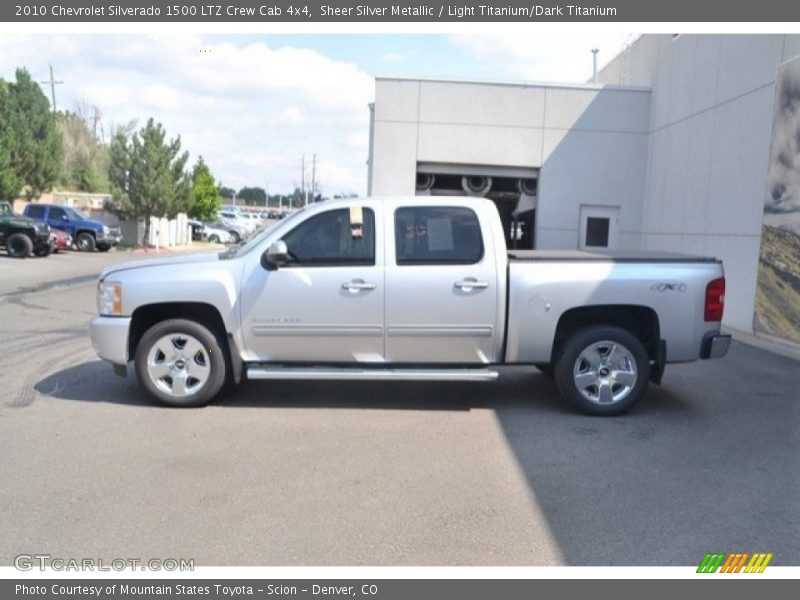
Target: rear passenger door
[{"x": 441, "y": 286}]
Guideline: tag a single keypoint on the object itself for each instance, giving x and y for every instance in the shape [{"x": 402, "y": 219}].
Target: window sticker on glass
[
  {"x": 440, "y": 235},
  {"x": 356, "y": 222}
]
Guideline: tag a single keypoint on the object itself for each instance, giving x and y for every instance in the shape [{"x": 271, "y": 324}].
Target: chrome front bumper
[
  {"x": 715, "y": 346},
  {"x": 110, "y": 338}
]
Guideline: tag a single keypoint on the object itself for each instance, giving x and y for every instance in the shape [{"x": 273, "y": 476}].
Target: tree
[
  {"x": 10, "y": 181},
  {"x": 253, "y": 196},
  {"x": 206, "y": 199},
  {"x": 37, "y": 156},
  {"x": 85, "y": 164},
  {"x": 148, "y": 175},
  {"x": 30, "y": 143},
  {"x": 226, "y": 192}
]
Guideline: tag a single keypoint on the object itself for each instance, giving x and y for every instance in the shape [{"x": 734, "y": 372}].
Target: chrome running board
[{"x": 345, "y": 373}]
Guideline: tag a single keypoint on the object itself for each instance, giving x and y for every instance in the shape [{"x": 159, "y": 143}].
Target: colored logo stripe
[
  {"x": 710, "y": 563},
  {"x": 758, "y": 563},
  {"x": 734, "y": 562}
]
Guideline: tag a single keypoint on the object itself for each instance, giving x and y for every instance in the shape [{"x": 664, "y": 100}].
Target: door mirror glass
[{"x": 277, "y": 254}]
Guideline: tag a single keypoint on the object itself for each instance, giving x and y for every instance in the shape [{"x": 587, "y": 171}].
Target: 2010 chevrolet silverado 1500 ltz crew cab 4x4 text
[{"x": 407, "y": 289}]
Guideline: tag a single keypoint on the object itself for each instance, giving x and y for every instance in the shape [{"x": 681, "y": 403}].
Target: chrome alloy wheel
[
  {"x": 605, "y": 372},
  {"x": 178, "y": 365}
]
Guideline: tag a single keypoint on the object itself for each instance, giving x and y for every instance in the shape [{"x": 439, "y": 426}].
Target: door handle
[
  {"x": 355, "y": 286},
  {"x": 471, "y": 284}
]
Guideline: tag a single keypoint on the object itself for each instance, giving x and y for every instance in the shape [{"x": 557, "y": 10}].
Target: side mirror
[
  {"x": 276, "y": 255},
  {"x": 64, "y": 218}
]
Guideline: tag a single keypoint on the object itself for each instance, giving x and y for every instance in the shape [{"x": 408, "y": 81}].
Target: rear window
[
  {"x": 35, "y": 212},
  {"x": 437, "y": 235}
]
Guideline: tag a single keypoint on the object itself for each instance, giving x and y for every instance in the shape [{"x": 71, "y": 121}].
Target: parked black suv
[{"x": 22, "y": 236}]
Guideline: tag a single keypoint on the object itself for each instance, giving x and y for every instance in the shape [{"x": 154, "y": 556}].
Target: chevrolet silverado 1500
[{"x": 407, "y": 289}]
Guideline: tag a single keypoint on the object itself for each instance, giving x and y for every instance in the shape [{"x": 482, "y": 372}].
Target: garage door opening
[{"x": 514, "y": 191}]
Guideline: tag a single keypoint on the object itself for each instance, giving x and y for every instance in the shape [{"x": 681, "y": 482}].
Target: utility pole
[
  {"x": 314, "y": 178},
  {"x": 303, "y": 180},
  {"x": 52, "y": 83},
  {"x": 594, "y": 64}
]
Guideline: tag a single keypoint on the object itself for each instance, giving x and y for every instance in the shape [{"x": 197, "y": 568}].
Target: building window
[{"x": 597, "y": 229}]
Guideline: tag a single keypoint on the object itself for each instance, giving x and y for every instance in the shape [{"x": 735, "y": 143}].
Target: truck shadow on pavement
[{"x": 94, "y": 381}]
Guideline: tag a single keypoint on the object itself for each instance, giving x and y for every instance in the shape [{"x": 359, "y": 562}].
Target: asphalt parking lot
[{"x": 380, "y": 473}]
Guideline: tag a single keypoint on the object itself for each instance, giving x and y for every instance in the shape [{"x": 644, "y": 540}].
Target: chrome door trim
[
  {"x": 440, "y": 330},
  {"x": 318, "y": 330}
]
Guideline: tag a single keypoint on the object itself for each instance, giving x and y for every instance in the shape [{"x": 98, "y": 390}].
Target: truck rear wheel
[
  {"x": 19, "y": 245},
  {"x": 181, "y": 363},
  {"x": 603, "y": 370}
]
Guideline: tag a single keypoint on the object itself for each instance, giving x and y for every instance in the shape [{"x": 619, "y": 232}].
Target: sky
[{"x": 252, "y": 105}]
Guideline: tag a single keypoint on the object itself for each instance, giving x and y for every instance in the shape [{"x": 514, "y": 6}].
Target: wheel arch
[
  {"x": 145, "y": 316},
  {"x": 641, "y": 321}
]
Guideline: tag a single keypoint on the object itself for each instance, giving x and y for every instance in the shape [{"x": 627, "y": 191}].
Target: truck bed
[{"x": 627, "y": 256}]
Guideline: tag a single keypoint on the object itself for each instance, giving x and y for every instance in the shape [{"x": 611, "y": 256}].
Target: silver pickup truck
[{"x": 407, "y": 289}]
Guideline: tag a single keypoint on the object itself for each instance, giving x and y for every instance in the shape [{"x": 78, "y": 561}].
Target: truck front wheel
[
  {"x": 19, "y": 245},
  {"x": 181, "y": 363},
  {"x": 85, "y": 242},
  {"x": 603, "y": 370}
]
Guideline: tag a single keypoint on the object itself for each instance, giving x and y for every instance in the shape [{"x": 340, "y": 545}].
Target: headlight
[
  {"x": 106, "y": 230},
  {"x": 109, "y": 298}
]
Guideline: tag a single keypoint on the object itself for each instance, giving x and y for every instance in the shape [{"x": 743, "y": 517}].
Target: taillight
[{"x": 715, "y": 299}]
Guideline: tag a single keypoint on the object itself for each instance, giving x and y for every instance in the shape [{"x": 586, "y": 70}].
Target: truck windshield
[
  {"x": 241, "y": 250},
  {"x": 5, "y": 210}
]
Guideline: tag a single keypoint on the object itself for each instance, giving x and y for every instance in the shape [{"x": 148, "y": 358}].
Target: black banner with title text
[{"x": 333, "y": 11}]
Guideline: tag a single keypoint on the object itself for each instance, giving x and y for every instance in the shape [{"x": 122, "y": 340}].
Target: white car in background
[
  {"x": 237, "y": 219},
  {"x": 216, "y": 235}
]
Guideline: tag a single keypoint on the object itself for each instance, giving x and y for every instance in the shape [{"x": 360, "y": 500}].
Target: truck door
[
  {"x": 57, "y": 217},
  {"x": 441, "y": 286},
  {"x": 326, "y": 304}
]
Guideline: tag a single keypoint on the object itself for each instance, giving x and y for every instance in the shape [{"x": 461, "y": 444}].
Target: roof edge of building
[{"x": 539, "y": 84}]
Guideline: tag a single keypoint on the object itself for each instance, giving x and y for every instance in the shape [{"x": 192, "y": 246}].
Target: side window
[
  {"x": 330, "y": 239},
  {"x": 57, "y": 213},
  {"x": 449, "y": 235},
  {"x": 34, "y": 212}
]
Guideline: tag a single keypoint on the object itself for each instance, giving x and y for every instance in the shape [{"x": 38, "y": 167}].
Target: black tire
[
  {"x": 213, "y": 345},
  {"x": 85, "y": 242},
  {"x": 103, "y": 247},
  {"x": 632, "y": 357},
  {"x": 43, "y": 251},
  {"x": 546, "y": 368},
  {"x": 214, "y": 239},
  {"x": 19, "y": 245},
  {"x": 235, "y": 237}
]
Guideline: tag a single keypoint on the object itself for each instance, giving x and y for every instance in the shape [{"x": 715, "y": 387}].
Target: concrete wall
[
  {"x": 590, "y": 143},
  {"x": 686, "y": 163},
  {"x": 710, "y": 125}
]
